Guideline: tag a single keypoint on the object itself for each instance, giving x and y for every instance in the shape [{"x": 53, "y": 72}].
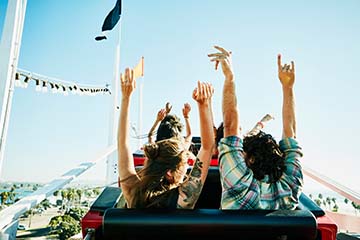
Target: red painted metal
[
  {"x": 91, "y": 220},
  {"x": 327, "y": 228}
]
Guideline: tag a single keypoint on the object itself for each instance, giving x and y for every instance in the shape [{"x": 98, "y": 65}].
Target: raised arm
[
  {"x": 286, "y": 74},
  {"x": 186, "y": 113},
  {"x": 125, "y": 158},
  {"x": 190, "y": 190},
  {"x": 229, "y": 101},
  {"x": 159, "y": 117}
]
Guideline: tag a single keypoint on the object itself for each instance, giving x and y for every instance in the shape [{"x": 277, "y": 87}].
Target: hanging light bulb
[
  {"x": 74, "y": 89},
  {"x": 52, "y": 86},
  {"x": 38, "y": 87},
  {"x": 44, "y": 87},
  {"x": 17, "y": 80},
  {"x": 64, "y": 91},
  {"x": 107, "y": 91},
  {"x": 26, "y": 82},
  {"x": 56, "y": 88}
]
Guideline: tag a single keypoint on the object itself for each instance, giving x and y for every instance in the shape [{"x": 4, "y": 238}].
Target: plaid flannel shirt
[{"x": 240, "y": 190}]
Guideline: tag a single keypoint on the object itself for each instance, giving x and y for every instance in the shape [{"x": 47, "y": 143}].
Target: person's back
[
  {"x": 267, "y": 174},
  {"x": 255, "y": 171},
  {"x": 163, "y": 182}
]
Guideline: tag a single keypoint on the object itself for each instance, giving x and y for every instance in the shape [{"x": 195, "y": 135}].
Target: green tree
[
  {"x": 335, "y": 208},
  {"x": 318, "y": 202},
  {"x": 76, "y": 213},
  {"x": 64, "y": 226},
  {"x": 79, "y": 193},
  {"x": 31, "y": 213},
  {"x": 64, "y": 194},
  {"x": 70, "y": 197},
  {"x": 4, "y": 196},
  {"x": 96, "y": 191},
  {"x": 346, "y": 201},
  {"x": 56, "y": 193},
  {"x": 356, "y": 207},
  {"x": 328, "y": 202},
  {"x": 45, "y": 204}
]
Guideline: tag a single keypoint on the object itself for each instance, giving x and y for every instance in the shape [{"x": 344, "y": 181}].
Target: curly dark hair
[
  {"x": 169, "y": 127},
  {"x": 219, "y": 133},
  {"x": 267, "y": 156}
]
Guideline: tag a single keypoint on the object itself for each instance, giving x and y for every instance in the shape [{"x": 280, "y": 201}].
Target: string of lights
[{"x": 44, "y": 84}]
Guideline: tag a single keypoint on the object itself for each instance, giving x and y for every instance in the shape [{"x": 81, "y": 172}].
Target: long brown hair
[{"x": 161, "y": 156}]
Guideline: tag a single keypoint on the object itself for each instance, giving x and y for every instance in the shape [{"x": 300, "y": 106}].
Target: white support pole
[
  {"x": 112, "y": 165},
  {"x": 140, "y": 112},
  {"x": 10, "y": 51}
]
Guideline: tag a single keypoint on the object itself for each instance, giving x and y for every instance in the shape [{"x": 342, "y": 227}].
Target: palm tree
[
  {"x": 335, "y": 208},
  {"x": 96, "y": 191},
  {"x": 70, "y": 197},
  {"x": 45, "y": 204},
  {"x": 318, "y": 202},
  {"x": 4, "y": 196},
  {"x": 56, "y": 193},
  {"x": 328, "y": 201},
  {"x": 79, "y": 193},
  {"x": 320, "y": 196},
  {"x": 64, "y": 194},
  {"x": 356, "y": 207},
  {"x": 31, "y": 212}
]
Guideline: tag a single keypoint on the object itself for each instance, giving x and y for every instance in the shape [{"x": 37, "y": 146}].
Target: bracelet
[
  {"x": 187, "y": 117},
  {"x": 261, "y": 124}
]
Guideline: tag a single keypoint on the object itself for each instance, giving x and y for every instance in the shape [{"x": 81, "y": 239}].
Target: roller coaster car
[{"x": 105, "y": 220}]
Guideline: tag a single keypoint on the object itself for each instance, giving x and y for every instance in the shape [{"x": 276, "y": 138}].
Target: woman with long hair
[{"x": 163, "y": 182}]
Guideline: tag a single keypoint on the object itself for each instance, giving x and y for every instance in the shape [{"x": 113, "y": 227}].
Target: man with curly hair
[{"x": 255, "y": 171}]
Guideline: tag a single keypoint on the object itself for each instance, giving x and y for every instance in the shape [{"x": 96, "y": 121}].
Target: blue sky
[{"x": 50, "y": 133}]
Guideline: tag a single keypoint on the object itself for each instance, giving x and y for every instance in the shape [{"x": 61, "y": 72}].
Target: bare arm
[
  {"x": 125, "y": 158},
  {"x": 286, "y": 74},
  {"x": 190, "y": 190},
  {"x": 186, "y": 112},
  {"x": 229, "y": 100},
  {"x": 160, "y": 116}
]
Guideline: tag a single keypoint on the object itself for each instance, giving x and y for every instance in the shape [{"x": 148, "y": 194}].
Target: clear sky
[{"x": 50, "y": 133}]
